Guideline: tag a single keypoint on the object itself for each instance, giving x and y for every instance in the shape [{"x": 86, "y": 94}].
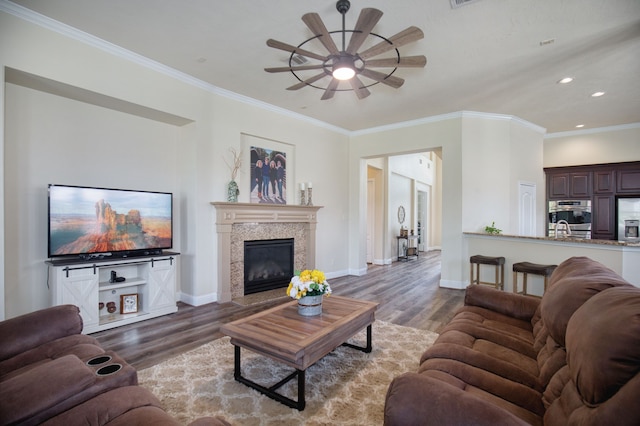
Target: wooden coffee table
[{"x": 298, "y": 341}]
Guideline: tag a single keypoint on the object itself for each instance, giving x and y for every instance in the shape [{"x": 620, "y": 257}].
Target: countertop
[{"x": 563, "y": 240}]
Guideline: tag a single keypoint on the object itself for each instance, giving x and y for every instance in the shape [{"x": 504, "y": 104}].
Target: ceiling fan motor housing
[{"x": 343, "y": 6}]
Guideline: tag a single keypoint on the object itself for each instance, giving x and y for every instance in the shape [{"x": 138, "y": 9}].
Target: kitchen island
[{"x": 621, "y": 257}]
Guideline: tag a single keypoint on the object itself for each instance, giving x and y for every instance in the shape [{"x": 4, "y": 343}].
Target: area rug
[{"x": 346, "y": 387}]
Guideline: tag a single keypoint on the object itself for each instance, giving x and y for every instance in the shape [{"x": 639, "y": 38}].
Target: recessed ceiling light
[
  {"x": 579, "y": 126},
  {"x": 565, "y": 80},
  {"x": 597, "y": 94}
]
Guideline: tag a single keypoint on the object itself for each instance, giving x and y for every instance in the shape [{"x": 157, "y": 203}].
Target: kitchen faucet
[{"x": 565, "y": 228}]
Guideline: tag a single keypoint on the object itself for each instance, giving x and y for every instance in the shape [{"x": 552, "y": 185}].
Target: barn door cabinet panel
[{"x": 115, "y": 292}]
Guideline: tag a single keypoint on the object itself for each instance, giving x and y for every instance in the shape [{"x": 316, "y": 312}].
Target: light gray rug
[{"x": 346, "y": 387}]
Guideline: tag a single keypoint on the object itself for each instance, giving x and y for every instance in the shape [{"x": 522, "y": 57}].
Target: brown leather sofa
[
  {"x": 52, "y": 374},
  {"x": 569, "y": 358}
]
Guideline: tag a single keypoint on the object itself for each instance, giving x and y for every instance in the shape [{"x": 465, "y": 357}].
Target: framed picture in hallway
[{"x": 268, "y": 170}]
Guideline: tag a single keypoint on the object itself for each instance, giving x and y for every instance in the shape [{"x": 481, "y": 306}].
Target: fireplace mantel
[
  {"x": 230, "y": 213},
  {"x": 235, "y": 220}
]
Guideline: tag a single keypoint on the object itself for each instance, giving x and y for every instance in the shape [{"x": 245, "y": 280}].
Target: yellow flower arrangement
[{"x": 308, "y": 283}]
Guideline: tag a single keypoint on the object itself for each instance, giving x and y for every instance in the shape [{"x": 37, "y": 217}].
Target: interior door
[
  {"x": 527, "y": 209},
  {"x": 423, "y": 211},
  {"x": 371, "y": 218}
]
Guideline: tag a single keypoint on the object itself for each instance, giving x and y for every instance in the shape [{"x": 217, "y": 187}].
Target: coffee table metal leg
[
  {"x": 271, "y": 391},
  {"x": 366, "y": 349}
]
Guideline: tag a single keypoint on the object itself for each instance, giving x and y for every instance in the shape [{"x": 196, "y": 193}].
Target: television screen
[{"x": 85, "y": 221}]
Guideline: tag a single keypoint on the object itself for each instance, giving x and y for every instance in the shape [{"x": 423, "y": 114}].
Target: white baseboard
[
  {"x": 197, "y": 300},
  {"x": 459, "y": 285}
]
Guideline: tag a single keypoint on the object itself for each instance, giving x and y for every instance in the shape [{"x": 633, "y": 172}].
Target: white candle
[
  {"x": 302, "y": 186},
  {"x": 309, "y": 185}
]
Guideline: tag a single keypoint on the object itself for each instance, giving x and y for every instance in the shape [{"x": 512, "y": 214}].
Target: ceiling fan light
[
  {"x": 343, "y": 72},
  {"x": 343, "y": 68}
]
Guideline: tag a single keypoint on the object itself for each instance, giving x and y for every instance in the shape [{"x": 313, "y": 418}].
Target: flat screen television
[{"x": 90, "y": 222}]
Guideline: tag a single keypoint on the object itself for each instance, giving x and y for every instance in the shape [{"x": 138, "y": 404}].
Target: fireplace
[
  {"x": 268, "y": 264},
  {"x": 240, "y": 222}
]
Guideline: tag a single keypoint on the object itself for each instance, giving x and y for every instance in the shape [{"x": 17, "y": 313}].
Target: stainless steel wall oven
[{"x": 576, "y": 214}]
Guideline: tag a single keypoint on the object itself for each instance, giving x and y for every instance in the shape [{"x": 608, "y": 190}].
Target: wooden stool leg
[
  {"x": 471, "y": 273},
  {"x": 502, "y": 277},
  {"x": 524, "y": 283},
  {"x": 515, "y": 282},
  {"x": 497, "y": 276}
]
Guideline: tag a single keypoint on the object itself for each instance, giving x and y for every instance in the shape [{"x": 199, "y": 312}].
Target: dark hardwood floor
[{"x": 408, "y": 294}]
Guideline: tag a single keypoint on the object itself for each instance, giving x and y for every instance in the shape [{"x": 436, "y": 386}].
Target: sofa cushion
[
  {"x": 603, "y": 343},
  {"x": 80, "y": 345},
  {"x": 31, "y": 330},
  {"x": 437, "y": 398},
  {"x": 575, "y": 281},
  {"x": 25, "y": 396},
  {"x": 602, "y": 377}
]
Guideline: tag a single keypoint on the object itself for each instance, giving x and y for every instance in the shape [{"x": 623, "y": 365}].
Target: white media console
[{"x": 147, "y": 291}]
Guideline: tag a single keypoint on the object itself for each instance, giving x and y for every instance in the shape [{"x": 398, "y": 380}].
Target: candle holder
[
  {"x": 303, "y": 197},
  {"x": 309, "y": 194}
]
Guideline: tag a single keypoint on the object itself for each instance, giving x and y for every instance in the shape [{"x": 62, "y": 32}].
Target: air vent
[
  {"x": 299, "y": 60},
  {"x": 459, "y": 3}
]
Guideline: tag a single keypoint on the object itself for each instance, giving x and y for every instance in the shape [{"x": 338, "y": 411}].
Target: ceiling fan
[{"x": 347, "y": 64}]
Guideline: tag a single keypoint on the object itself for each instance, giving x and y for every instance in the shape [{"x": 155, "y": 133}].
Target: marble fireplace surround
[{"x": 239, "y": 222}]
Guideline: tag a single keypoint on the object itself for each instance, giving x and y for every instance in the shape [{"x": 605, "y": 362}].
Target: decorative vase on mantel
[
  {"x": 232, "y": 192},
  {"x": 309, "y": 306}
]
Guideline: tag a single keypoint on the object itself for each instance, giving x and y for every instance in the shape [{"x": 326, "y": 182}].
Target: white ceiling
[{"x": 486, "y": 56}]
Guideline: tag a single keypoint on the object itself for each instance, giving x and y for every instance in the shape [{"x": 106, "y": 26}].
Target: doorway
[{"x": 423, "y": 220}]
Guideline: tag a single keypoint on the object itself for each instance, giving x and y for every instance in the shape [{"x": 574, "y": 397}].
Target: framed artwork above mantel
[{"x": 269, "y": 171}]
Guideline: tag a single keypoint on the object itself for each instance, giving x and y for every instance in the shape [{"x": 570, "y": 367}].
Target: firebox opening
[{"x": 268, "y": 264}]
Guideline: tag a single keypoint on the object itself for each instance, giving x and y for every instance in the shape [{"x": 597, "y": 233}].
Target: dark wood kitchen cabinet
[
  {"x": 604, "y": 182},
  {"x": 574, "y": 185},
  {"x": 603, "y": 217},
  {"x": 600, "y": 183},
  {"x": 629, "y": 181}
]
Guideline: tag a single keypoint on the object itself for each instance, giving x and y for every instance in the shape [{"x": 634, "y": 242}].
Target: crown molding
[
  {"x": 593, "y": 131},
  {"x": 449, "y": 116},
  {"x": 120, "y": 52}
]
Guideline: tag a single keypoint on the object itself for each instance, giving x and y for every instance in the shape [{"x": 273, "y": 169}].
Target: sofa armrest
[
  {"x": 510, "y": 304},
  {"x": 417, "y": 400},
  {"x": 31, "y": 330},
  {"x": 24, "y": 396}
]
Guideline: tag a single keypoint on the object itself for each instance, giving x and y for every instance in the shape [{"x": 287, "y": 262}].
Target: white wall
[
  {"x": 477, "y": 176},
  {"x": 598, "y": 146},
  {"x": 193, "y": 168},
  {"x": 50, "y": 139}
]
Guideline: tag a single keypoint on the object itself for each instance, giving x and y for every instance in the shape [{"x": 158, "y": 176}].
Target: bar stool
[
  {"x": 478, "y": 260},
  {"x": 530, "y": 268}
]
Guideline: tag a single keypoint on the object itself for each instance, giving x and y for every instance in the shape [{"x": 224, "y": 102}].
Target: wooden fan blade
[
  {"x": 317, "y": 27},
  {"x": 330, "y": 90},
  {"x": 358, "y": 87},
  {"x": 300, "y": 68},
  {"x": 406, "y": 62},
  {"x": 307, "y": 81},
  {"x": 368, "y": 19},
  {"x": 400, "y": 39},
  {"x": 289, "y": 48},
  {"x": 391, "y": 80}
]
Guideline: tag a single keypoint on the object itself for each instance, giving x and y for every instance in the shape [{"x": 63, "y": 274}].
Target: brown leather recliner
[
  {"x": 52, "y": 374},
  {"x": 508, "y": 359}
]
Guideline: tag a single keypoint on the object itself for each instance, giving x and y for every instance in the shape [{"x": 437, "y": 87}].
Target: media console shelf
[{"x": 147, "y": 291}]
